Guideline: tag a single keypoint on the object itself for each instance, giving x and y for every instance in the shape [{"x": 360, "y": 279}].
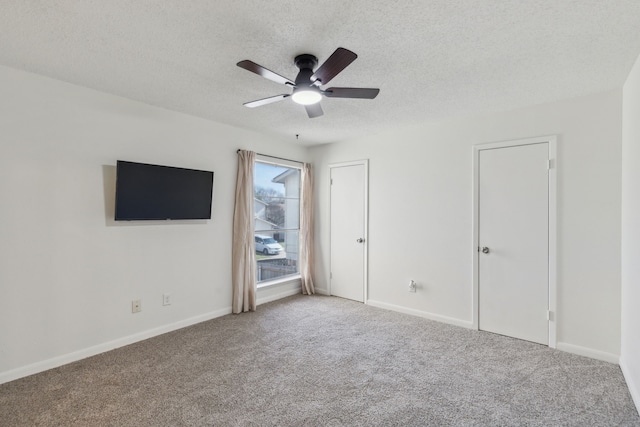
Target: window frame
[{"x": 285, "y": 164}]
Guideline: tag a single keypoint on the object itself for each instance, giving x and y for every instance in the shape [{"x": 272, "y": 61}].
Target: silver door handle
[
  {"x": 360, "y": 240},
  {"x": 485, "y": 250}
]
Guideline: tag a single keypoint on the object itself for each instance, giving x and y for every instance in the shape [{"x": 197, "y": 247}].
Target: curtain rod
[{"x": 274, "y": 157}]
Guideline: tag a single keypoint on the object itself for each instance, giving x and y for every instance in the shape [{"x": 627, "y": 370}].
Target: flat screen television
[{"x": 155, "y": 192}]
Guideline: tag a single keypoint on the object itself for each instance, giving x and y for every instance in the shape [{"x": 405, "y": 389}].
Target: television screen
[{"x": 154, "y": 192}]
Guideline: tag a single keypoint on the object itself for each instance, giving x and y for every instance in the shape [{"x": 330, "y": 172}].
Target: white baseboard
[
  {"x": 569, "y": 348},
  {"x": 321, "y": 291},
  {"x": 588, "y": 352},
  {"x": 634, "y": 387},
  {"x": 420, "y": 313},
  {"x": 64, "y": 359}
]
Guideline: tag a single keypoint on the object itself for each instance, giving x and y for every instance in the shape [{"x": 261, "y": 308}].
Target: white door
[
  {"x": 348, "y": 244},
  {"x": 513, "y": 238}
]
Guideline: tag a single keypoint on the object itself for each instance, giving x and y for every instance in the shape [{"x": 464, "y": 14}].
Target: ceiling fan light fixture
[
  {"x": 306, "y": 87},
  {"x": 306, "y": 96}
]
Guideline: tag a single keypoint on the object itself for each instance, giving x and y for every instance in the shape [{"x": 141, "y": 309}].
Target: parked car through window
[{"x": 267, "y": 245}]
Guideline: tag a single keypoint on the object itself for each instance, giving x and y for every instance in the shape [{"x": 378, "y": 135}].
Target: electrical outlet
[
  {"x": 166, "y": 299},
  {"x": 412, "y": 286},
  {"x": 136, "y": 306}
]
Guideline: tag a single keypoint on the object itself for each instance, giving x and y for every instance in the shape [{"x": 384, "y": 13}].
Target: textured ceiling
[{"x": 432, "y": 59}]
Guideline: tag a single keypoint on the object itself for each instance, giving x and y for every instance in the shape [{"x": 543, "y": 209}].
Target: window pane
[
  {"x": 277, "y": 197},
  {"x": 277, "y": 220},
  {"x": 276, "y": 254}
]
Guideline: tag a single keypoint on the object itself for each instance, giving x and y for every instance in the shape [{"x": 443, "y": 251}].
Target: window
[{"x": 277, "y": 219}]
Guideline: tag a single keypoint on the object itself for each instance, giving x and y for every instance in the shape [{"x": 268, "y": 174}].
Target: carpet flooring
[{"x": 324, "y": 361}]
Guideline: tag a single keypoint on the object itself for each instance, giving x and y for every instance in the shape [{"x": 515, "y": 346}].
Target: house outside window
[{"x": 277, "y": 219}]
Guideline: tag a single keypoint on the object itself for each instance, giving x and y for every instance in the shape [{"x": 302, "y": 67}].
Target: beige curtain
[
  {"x": 243, "y": 256},
  {"x": 306, "y": 231}
]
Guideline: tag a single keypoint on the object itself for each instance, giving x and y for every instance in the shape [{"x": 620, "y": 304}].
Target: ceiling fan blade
[
  {"x": 351, "y": 92},
  {"x": 338, "y": 61},
  {"x": 265, "y": 101},
  {"x": 261, "y": 71},
  {"x": 314, "y": 110}
]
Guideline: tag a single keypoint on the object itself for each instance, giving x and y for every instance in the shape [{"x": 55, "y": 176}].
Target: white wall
[
  {"x": 68, "y": 272},
  {"x": 630, "y": 349},
  {"x": 420, "y": 214}
]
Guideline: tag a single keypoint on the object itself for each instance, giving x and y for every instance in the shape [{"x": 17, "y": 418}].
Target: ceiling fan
[{"x": 306, "y": 88}]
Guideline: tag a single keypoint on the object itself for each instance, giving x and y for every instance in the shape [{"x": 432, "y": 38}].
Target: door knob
[
  {"x": 485, "y": 250},
  {"x": 360, "y": 240}
]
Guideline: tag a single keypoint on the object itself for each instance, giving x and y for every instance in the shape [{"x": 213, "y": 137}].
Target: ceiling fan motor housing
[{"x": 306, "y": 63}]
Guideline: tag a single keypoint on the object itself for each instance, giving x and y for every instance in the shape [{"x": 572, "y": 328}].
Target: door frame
[
  {"x": 365, "y": 163},
  {"x": 553, "y": 171}
]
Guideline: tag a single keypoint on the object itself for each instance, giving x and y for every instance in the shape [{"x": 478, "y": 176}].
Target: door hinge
[
  {"x": 331, "y": 181},
  {"x": 549, "y": 315},
  {"x": 331, "y": 275},
  {"x": 549, "y": 164}
]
